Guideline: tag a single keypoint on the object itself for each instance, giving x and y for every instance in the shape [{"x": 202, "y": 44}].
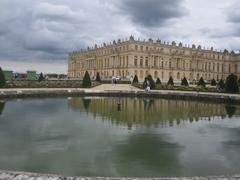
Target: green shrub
[
  {"x": 213, "y": 82},
  {"x": 135, "y": 79},
  {"x": 158, "y": 81},
  {"x": 98, "y": 79},
  {"x": 170, "y": 81},
  {"x": 239, "y": 82},
  {"x": 231, "y": 84},
  {"x": 201, "y": 82},
  {"x": 40, "y": 78},
  {"x": 221, "y": 84},
  {"x": 184, "y": 82},
  {"x": 2, "y": 79},
  {"x": 86, "y": 80}
]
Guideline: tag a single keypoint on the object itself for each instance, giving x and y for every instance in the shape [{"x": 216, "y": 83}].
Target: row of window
[{"x": 182, "y": 64}]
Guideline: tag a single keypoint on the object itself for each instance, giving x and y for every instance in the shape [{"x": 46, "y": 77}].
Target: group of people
[{"x": 147, "y": 86}]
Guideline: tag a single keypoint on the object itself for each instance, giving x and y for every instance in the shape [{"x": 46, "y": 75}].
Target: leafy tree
[
  {"x": 2, "y": 79},
  {"x": 221, "y": 84},
  {"x": 201, "y": 82},
  {"x": 135, "y": 79},
  {"x": 213, "y": 82},
  {"x": 231, "y": 84},
  {"x": 184, "y": 82},
  {"x": 170, "y": 81},
  {"x": 40, "y": 78},
  {"x": 152, "y": 83},
  {"x": 158, "y": 81},
  {"x": 98, "y": 79},
  {"x": 86, "y": 80}
]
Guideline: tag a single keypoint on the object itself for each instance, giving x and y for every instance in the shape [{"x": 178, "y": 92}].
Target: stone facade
[{"x": 159, "y": 59}]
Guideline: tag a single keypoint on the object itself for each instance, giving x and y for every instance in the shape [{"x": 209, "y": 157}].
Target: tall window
[
  {"x": 178, "y": 75},
  {"x": 141, "y": 61},
  {"x": 155, "y": 74},
  {"x": 136, "y": 47},
  {"x": 141, "y": 74},
  {"x": 136, "y": 72},
  {"x": 135, "y": 61},
  {"x": 146, "y": 62}
]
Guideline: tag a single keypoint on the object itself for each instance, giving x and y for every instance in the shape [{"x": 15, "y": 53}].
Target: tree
[
  {"x": 135, "y": 79},
  {"x": 98, "y": 79},
  {"x": 221, "y": 84},
  {"x": 152, "y": 83},
  {"x": 184, "y": 82},
  {"x": 170, "y": 81},
  {"x": 2, "y": 79},
  {"x": 40, "y": 78},
  {"x": 86, "y": 80},
  {"x": 213, "y": 82},
  {"x": 158, "y": 81},
  {"x": 201, "y": 82},
  {"x": 231, "y": 84}
]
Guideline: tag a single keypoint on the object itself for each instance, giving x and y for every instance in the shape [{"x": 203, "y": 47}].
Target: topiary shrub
[
  {"x": 135, "y": 79},
  {"x": 221, "y": 84},
  {"x": 2, "y": 79},
  {"x": 98, "y": 78},
  {"x": 170, "y": 81},
  {"x": 239, "y": 82},
  {"x": 201, "y": 82},
  {"x": 158, "y": 81},
  {"x": 213, "y": 82},
  {"x": 86, "y": 80},
  {"x": 152, "y": 83},
  {"x": 231, "y": 84},
  {"x": 184, "y": 82},
  {"x": 40, "y": 78}
]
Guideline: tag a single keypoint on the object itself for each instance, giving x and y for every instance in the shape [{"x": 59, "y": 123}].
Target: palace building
[{"x": 126, "y": 58}]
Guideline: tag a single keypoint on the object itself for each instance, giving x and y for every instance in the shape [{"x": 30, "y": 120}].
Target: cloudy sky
[{"x": 39, "y": 34}]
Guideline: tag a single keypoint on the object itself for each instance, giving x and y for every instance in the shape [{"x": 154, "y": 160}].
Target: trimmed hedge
[
  {"x": 231, "y": 85},
  {"x": 47, "y": 84},
  {"x": 86, "y": 83}
]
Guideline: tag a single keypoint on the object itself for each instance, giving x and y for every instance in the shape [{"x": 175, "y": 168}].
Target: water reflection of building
[{"x": 150, "y": 111}]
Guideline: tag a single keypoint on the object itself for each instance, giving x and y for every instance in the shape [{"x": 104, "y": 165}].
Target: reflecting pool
[{"x": 119, "y": 137}]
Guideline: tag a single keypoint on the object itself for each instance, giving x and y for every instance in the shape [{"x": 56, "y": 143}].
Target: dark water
[{"x": 119, "y": 137}]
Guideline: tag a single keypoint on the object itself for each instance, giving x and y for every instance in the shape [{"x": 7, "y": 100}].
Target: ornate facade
[{"x": 159, "y": 59}]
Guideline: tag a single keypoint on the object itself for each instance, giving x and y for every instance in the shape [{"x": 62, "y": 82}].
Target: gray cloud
[
  {"x": 153, "y": 13},
  {"x": 45, "y": 31},
  {"x": 233, "y": 14}
]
